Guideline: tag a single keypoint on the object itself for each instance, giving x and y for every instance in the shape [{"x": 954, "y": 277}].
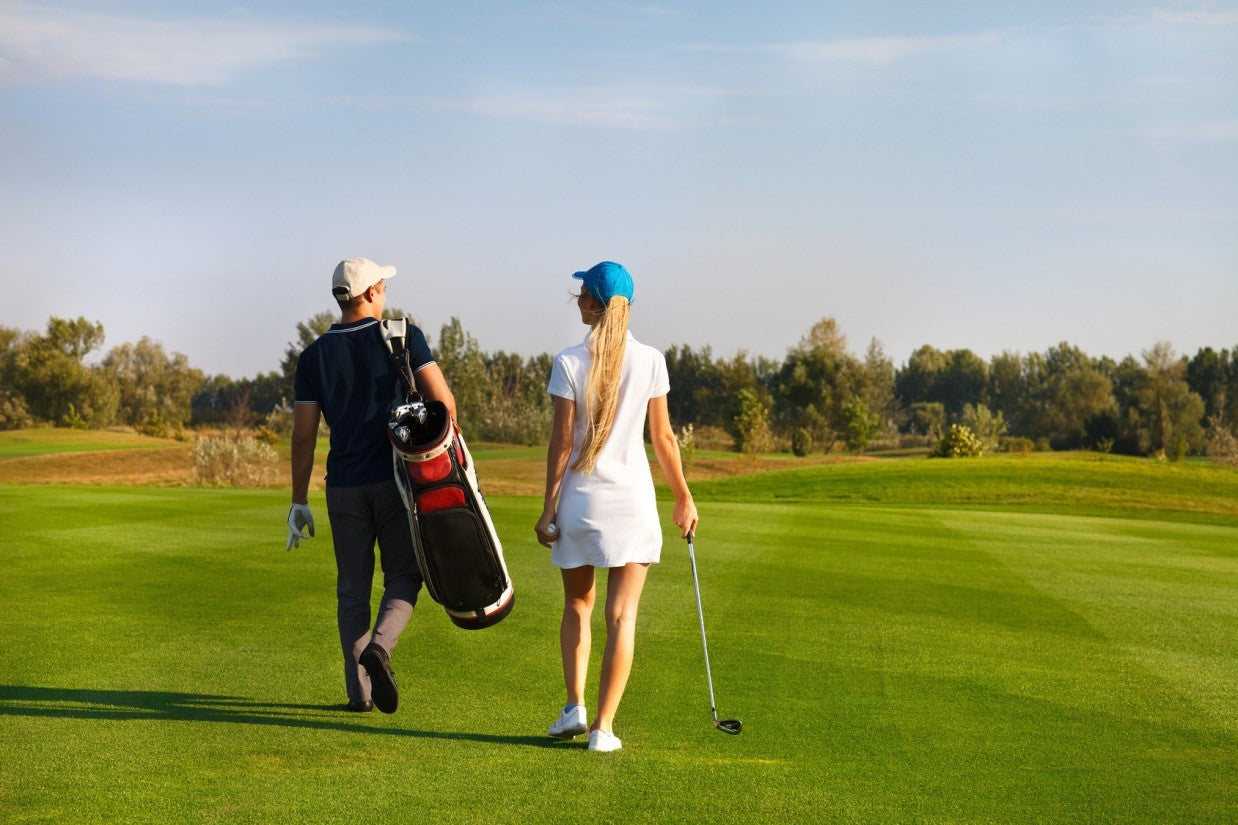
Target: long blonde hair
[{"x": 606, "y": 344}]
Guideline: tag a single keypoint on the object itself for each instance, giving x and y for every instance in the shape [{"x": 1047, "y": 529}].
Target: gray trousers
[{"x": 360, "y": 516}]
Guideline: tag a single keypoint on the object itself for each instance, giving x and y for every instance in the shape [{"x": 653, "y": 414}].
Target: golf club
[{"x": 731, "y": 726}]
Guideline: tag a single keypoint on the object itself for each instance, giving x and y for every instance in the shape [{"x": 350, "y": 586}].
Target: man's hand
[{"x": 299, "y": 516}]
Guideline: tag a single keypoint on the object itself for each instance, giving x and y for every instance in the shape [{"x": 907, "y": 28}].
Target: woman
[{"x": 599, "y": 509}]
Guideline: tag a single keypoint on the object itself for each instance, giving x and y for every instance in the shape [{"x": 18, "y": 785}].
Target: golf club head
[{"x": 731, "y": 726}]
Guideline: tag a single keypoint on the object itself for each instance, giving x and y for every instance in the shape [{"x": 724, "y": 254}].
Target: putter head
[{"x": 731, "y": 726}]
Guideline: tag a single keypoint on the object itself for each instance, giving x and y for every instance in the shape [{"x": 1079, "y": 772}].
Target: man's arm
[
  {"x": 304, "y": 440},
  {"x": 432, "y": 384}
]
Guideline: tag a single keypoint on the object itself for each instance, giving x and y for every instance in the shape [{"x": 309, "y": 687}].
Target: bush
[
  {"x": 687, "y": 447},
  {"x": 802, "y": 442},
  {"x": 13, "y": 412},
  {"x": 751, "y": 426},
  {"x": 74, "y": 420},
  {"x": 1016, "y": 444},
  {"x": 988, "y": 426},
  {"x": 1222, "y": 445},
  {"x": 222, "y": 461},
  {"x": 278, "y": 422},
  {"x": 707, "y": 437},
  {"x": 958, "y": 442}
]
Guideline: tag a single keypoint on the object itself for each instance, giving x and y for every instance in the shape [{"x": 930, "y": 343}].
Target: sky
[{"x": 991, "y": 176}]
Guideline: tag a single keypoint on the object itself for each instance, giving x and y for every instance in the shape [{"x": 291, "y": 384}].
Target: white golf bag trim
[{"x": 457, "y": 546}]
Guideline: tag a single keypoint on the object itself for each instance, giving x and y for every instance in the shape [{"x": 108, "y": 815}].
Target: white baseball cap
[{"x": 355, "y": 275}]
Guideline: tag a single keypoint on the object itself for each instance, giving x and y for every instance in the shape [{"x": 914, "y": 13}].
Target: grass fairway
[{"x": 893, "y": 660}]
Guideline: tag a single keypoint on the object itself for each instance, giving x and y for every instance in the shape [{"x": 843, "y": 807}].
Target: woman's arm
[
  {"x": 557, "y": 454},
  {"x": 666, "y": 448}
]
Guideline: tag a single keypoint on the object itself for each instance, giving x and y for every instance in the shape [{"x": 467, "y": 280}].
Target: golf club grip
[{"x": 690, "y": 536}]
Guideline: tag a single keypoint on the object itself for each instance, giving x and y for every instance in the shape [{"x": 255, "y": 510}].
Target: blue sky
[{"x": 997, "y": 176}]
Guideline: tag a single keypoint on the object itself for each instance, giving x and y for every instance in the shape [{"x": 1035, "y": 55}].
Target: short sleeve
[
  {"x": 418, "y": 350},
  {"x": 661, "y": 380},
  {"x": 302, "y": 388},
  {"x": 561, "y": 384}
]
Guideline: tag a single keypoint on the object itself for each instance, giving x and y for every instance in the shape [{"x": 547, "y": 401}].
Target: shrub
[
  {"x": 988, "y": 426},
  {"x": 708, "y": 437},
  {"x": 13, "y": 412},
  {"x": 687, "y": 447},
  {"x": 802, "y": 442},
  {"x": 1016, "y": 444},
  {"x": 278, "y": 422},
  {"x": 221, "y": 461},
  {"x": 74, "y": 420},
  {"x": 751, "y": 426},
  {"x": 1222, "y": 445},
  {"x": 957, "y": 442}
]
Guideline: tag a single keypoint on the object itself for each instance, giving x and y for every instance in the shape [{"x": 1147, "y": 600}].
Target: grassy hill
[
  {"x": 906, "y": 640},
  {"x": 1080, "y": 482}
]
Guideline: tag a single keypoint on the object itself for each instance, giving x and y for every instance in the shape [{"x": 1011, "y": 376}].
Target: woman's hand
[
  {"x": 546, "y": 530},
  {"x": 685, "y": 516}
]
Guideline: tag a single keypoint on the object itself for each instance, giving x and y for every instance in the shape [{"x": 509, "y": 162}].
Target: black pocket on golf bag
[{"x": 456, "y": 546}]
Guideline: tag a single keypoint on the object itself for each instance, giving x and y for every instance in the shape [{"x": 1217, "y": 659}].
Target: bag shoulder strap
[{"x": 395, "y": 333}]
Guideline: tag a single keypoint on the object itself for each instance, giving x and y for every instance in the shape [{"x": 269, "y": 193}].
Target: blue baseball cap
[{"x": 606, "y": 280}]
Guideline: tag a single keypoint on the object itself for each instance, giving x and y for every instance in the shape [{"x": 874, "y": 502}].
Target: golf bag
[{"x": 457, "y": 547}]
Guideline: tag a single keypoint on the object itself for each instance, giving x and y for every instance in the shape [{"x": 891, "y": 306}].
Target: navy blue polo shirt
[{"x": 347, "y": 372}]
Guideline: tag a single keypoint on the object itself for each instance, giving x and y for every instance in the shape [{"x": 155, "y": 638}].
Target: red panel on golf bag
[
  {"x": 440, "y": 499},
  {"x": 426, "y": 472}
]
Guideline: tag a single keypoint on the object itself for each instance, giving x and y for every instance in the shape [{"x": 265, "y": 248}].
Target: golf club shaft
[{"x": 700, "y": 612}]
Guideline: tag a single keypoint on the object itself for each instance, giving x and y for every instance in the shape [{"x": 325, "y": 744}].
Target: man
[{"x": 347, "y": 377}]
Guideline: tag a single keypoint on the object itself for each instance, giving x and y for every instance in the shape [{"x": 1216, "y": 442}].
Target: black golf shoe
[
  {"x": 383, "y": 688},
  {"x": 360, "y": 706}
]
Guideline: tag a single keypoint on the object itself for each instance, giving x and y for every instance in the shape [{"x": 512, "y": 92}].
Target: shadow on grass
[{"x": 73, "y": 703}]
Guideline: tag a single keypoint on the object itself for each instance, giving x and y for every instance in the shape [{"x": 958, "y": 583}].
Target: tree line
[{"x": 819, "y": 397}]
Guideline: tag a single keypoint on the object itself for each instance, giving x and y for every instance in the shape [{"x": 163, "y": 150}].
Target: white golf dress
[{"x": 609, "y": 517}]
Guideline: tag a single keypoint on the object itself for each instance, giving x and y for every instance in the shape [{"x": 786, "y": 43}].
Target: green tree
[
  {"x": 518, "y": 409},
  {"x": 697, "y": 392},
  {"x": 750, "y": 427},
  {"x": 1007, "y": 387},
  {"x": 1167, "y": 414},
  {"x": 1067, "y": 392},
  {"x": 877, "y": 386},
  {"x": 45, "y": 380},
  {"x": 860, "y": 424},
  {"x": 926, "y": 418},
  {"x": 156, "y": 390},
  {"x": 1213, "y": 376},
  {"x": 917, "y": 380},
  {"x": 814, "y": 383},
  {"x": 464, "y": 367},
  {"x": 963, "y": 381},
  {"x": 952, "y": 379}
]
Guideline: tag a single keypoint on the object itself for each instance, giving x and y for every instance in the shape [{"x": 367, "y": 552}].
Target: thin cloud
[
  {"x": 1204, "y": 131},
  {"x": 590, "y": 111},
  {"x": 39, "y": 45},
  {"x": 1198, "y": 17},
  {"x": 865, "y": 50}
]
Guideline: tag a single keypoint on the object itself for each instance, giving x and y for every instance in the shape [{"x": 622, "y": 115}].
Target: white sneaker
[
  {"x": 570, "y": 723},
  {"x": 600, "y": 740}
]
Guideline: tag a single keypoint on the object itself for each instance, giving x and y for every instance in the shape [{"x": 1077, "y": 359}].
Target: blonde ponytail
[{"x": 606, "y": 346}]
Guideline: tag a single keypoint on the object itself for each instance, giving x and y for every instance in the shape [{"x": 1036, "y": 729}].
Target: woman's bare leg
[
  {"x": 574, "y": 636},
  {"x": 623, "y": 589}
]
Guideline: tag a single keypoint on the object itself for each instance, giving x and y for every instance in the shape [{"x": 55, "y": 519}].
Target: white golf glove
[{"x": 299, "y": 516}]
